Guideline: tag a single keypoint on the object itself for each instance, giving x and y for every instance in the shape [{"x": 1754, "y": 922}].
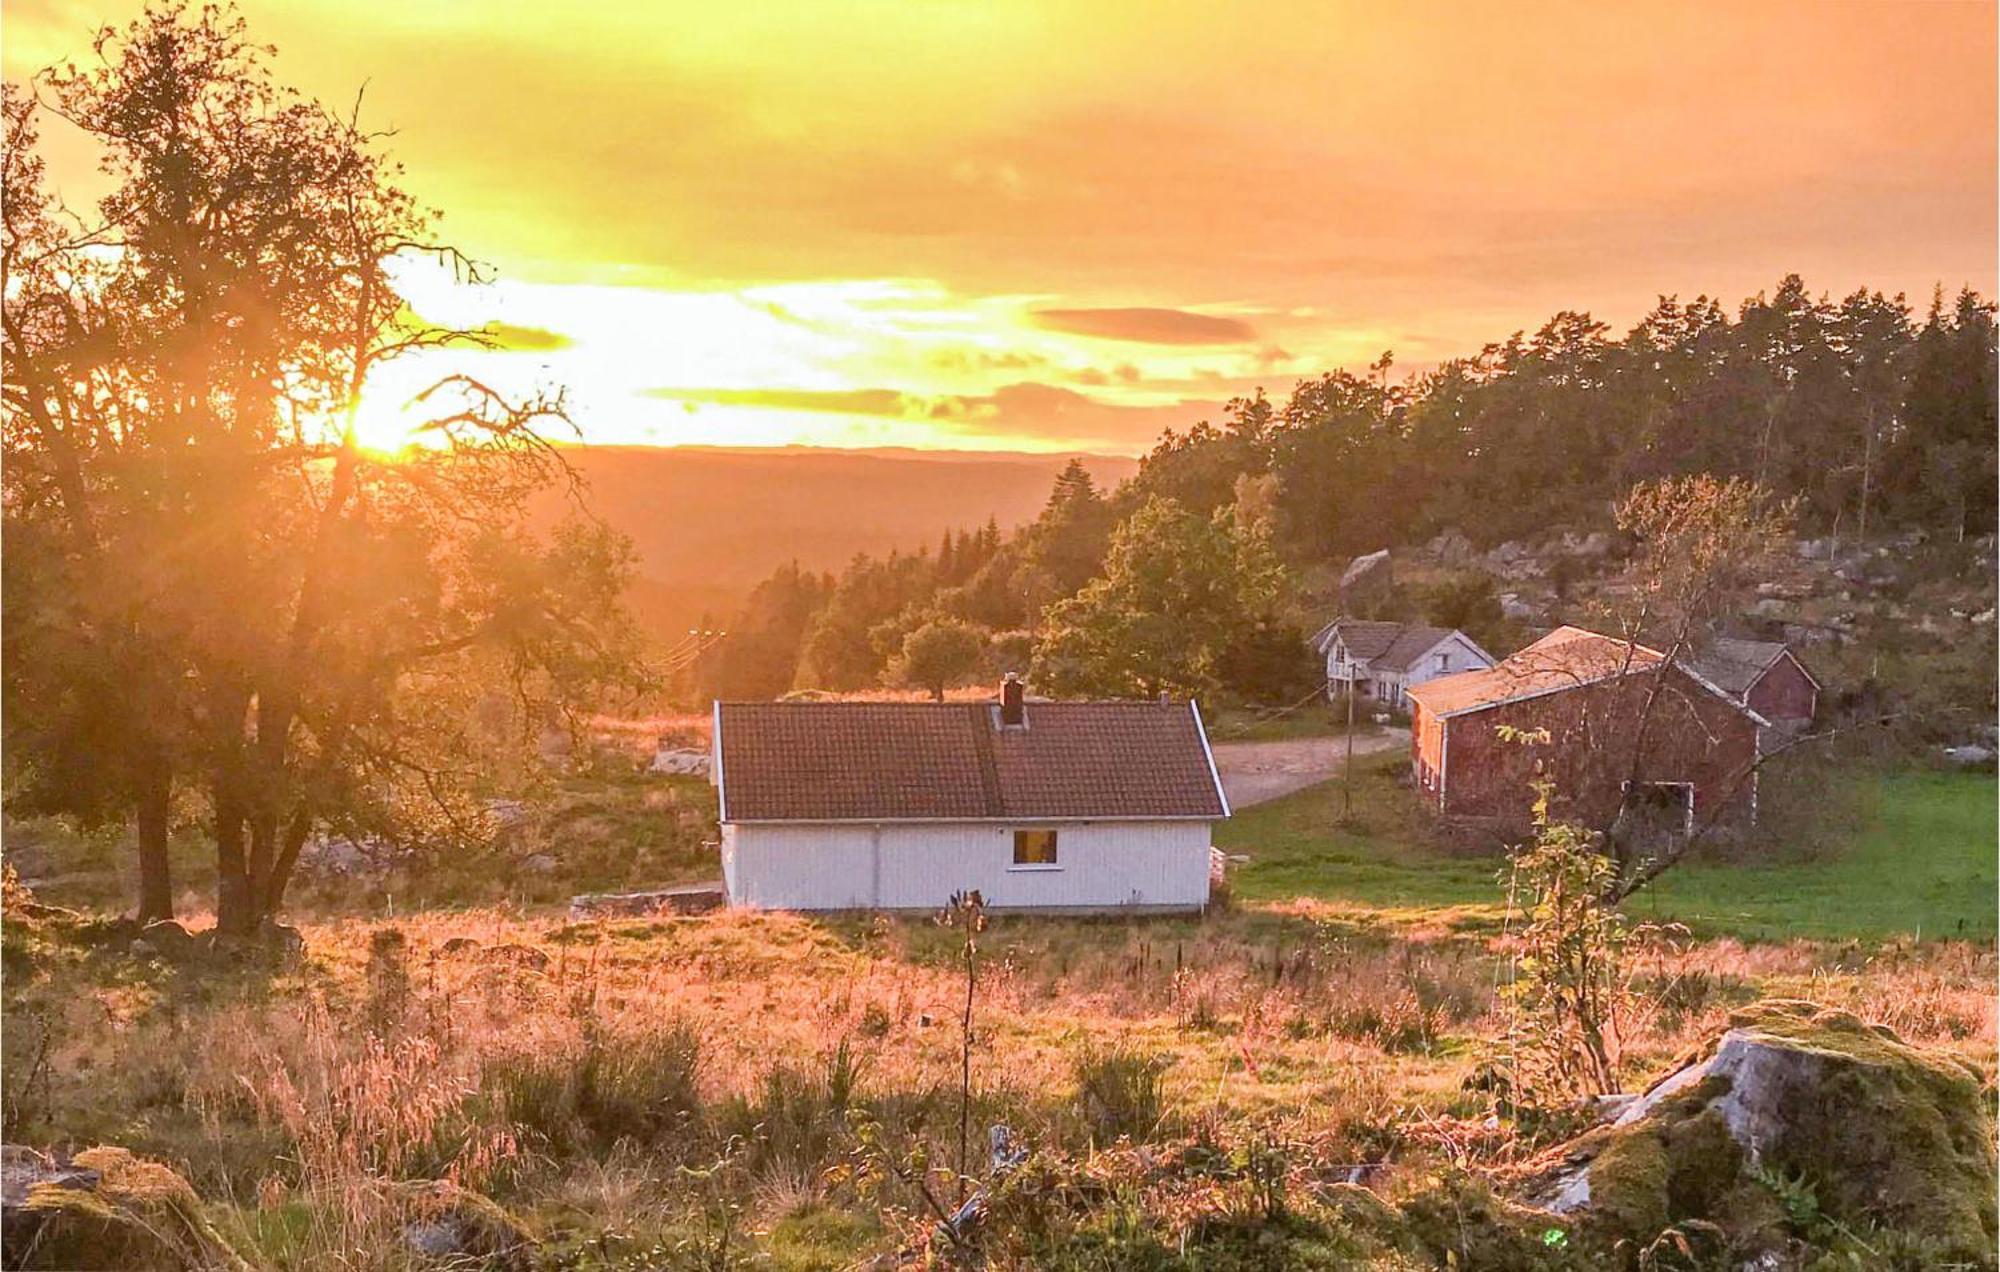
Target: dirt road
[{"x": 1253, "y": 772}]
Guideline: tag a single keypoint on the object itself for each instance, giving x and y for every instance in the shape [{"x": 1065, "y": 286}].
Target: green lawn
[
  {"x": 1921, "y": 865},
  {"x": 1922, "y": 862}
]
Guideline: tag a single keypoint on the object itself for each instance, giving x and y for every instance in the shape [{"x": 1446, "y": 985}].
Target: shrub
[
  {"x": 1118, "y": 1093},
  {"x": 640, "y": 1086},
  {"x": 800, "y": 1118}
]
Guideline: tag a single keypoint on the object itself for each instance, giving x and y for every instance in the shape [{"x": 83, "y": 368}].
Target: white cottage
[
  {"x": 1053, "y": 806},
  {"x": 1383, "y": 660}
]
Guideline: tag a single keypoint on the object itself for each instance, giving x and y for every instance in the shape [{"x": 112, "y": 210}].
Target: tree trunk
[
  {"x": 263, "y": 829},
  {"x": 156, "y": 882},
  {"x": 296, "y": 831},
  {"x": 235, "y": 909}
]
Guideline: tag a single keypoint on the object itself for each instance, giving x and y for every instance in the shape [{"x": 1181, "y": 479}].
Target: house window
[
  {"x": 1034, "y": 848},
  {"x": 1444, "y": 662}
]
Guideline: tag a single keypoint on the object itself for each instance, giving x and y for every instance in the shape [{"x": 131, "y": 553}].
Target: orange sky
[{"x": 1034, "y": 225}]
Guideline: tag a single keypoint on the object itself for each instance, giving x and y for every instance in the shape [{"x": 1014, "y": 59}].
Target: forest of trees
[{"x": 1871, "y": 417}]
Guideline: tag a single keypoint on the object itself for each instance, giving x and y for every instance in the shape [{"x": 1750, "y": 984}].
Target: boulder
[
  {"x": 680, "y": 760},
  {"x": 164, "y": 938},
  {"x": 1368, "y": 575},
  {"x": 1516, "y": 610},
  {"x": 103, "y": 1208},
  {"x": 698, "y": 898},
  {"x": 1451, "y": 548},
  {"x": 454, "y": 1227},
  {"x": 506, "y": 814},
  {"x": 1794, "y": 1096},
  {"x": 1970, "y": 755},
  {"x": 522, "y": 956},
  {"x": 1590, "y": 546}
]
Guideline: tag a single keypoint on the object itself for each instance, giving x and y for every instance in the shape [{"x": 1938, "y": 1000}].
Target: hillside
[{"x": 709, "y": 522}]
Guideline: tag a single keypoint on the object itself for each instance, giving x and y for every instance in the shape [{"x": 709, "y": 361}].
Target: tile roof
[
  {"x": 1383, "y": 646},
  {"x": 1735, "y": 665},
  {"x": 1563, "y": 659},
  {"x": 1566, "y": 657},
  {"x": 922, "y": 761}
]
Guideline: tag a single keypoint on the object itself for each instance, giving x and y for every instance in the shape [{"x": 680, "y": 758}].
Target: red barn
[
  {"x": 1573, "y": 701},
  {"x": 1764, "y": 675}
]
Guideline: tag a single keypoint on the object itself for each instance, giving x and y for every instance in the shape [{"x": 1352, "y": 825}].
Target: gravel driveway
[{"x": 1253, "y": 772}]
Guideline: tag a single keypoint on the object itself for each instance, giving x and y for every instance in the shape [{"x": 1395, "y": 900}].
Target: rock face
[
  {"x": 697, "y": 898},
  {"x": 1797, "y": 1096},
  {"x": 103, "y": 1208},
  {"x": 680, "y": 760},
  {"x": 1366, "y": 577}
]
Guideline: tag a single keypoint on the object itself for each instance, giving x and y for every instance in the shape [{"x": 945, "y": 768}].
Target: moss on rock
[
  {"x": 110, "y": 1209},
  {"x": 1858, "y": 1127}
]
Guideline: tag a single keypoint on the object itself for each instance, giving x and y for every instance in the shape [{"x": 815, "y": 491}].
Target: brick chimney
[{"x": 1013, "y": 702}]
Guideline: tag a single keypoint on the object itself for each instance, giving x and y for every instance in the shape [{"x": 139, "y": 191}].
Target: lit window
[{"x": 1034, "y": 848}]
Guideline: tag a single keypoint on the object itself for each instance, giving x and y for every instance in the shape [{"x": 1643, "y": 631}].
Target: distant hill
[{"x": 710, "y": 522}]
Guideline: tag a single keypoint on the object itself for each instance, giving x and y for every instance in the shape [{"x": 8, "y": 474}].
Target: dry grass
[{"x": 576, "y": 1072}]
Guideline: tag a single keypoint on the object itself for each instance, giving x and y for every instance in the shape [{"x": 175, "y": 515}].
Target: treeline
[{"x": 1866, "y": 415}]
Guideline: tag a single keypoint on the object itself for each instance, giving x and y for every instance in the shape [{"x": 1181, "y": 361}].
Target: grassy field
[
  {"x": 1920, "y": 862},
  {"x": 630, "y": 1092}
]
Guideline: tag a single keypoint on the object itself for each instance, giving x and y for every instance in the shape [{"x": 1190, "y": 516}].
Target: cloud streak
[{"x": 1146, "y": 325}]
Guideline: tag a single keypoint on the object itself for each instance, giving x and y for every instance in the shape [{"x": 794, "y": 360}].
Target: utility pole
[{"x": 1347, "y": 769}]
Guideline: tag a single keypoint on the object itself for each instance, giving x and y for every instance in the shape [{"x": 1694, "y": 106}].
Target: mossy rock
[
  {"x": 459, "y": 1228},
  {"x": 1460, "y": 1222},
  {"x": 1799, "y": 1121},
  {"x": 106, "y": 1208}
]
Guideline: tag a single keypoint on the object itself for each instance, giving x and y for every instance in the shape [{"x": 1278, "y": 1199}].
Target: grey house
[{"x": 1380, "y": 661}]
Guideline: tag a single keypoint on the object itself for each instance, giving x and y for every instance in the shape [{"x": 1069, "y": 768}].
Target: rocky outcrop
[
  {"x": 682, "y": 761},
  {"x": 103, "y": 1208},
  {"x": 698, "y": 898},
  {"x": 1795, "y": 1108},
  {"x": 1365, "y": 577}
]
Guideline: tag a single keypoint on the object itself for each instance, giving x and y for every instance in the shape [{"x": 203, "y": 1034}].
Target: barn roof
[
  {"x": 922, "y": 761},
  {"x": 1564, "y": 659},
  {"x": 1383, "y": 646},
  {"x": 1736, "y": 665}
]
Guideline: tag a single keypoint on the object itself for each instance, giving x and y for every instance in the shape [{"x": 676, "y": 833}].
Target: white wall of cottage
[{"x": 1100, "y": 865}]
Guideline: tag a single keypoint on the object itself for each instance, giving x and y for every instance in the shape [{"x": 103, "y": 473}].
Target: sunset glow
[{"x": 1043, "y": 227}]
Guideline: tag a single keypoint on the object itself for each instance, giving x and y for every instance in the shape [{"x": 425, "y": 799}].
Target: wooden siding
[
  {"x": 1693, "y": 736},
  {"x": 1784, "y": 694},
  {"x": 1426, "y": 750},
  {"x": 905, "y": 866}
]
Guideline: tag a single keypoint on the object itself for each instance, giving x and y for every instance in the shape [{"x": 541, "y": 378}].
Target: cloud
[
  {"x": 513, "y": 338},
  {"x": 1034, "y": 410},
  {"x": 1024, "y": 411},
  {"x": 1142, "y": 325},
  {"x": 889, "y": 402}
]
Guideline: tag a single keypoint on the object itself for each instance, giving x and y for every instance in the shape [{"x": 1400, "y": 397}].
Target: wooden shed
[{"x": 1566, "y": 711}]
